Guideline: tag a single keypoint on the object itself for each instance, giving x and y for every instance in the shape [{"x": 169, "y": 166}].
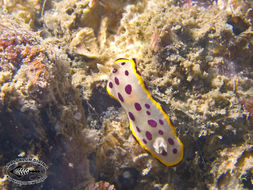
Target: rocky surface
[
  {"x": 41, "y": 113},
  {"x": 196, "y": 58}
]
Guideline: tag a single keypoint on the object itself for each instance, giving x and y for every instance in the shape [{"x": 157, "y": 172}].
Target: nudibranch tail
[{"x": 150, "y": 125}]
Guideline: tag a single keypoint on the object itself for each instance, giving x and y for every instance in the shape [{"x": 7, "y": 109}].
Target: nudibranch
[{"x": 149, "y": 123}]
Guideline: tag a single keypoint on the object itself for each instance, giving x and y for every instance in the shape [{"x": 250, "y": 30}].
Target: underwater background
[{"x": 196, "y": 58}]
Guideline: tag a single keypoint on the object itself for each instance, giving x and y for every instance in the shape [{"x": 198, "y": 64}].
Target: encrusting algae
[
  {"x": 25, "y": 76},
  {"x": 196, "y": 59},
  {"x": 41, "y": 114}
]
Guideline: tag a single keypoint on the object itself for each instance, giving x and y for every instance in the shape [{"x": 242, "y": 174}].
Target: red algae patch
[
  {"x": 23, "y": 65},
  {"x": 248, "y": 104}
]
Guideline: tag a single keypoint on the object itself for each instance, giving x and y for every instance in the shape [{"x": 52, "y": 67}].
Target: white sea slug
[{"x": 149, "y": 124}]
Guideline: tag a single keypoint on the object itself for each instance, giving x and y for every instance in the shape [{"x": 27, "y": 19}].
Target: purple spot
[
  {"x": 126, "y": 73},
  {"x": 136, "y": 67},
  {"x": 116, "y": 80},
  {"x": 144, "y": 140},
  {"x": 161, "y": 121},
  {"x": 119, "y": 59},
  {"x": 138, "y": 73},
  {"x": 114, "y": 70},
  {"x": 128, "y": 89},
  {"x": 145, "y": 85},
  {"x": 134, "y": 138},
  {"x": 170, "y": 140},
  {"x": 137, "y": 106},
  {"x": 131, "y": 116},
  {"x": 147, "y": 106},
  {"x": 160, "y": 132},
  {"x": 120, "y": 97},
  {"x": 163, "y": 110},
  {"x": 147, "y": 112},
  {"x": 110, "y": 84},
  {"x": 138, "y": 129},
  {"x": 174, "y": 150},
  {"x": 152, "y": 123},
  {"x": 148, "y": 135},
  {"x": 123, "y": 63},
  {"x": 171, "y": 122},
  {"x": 164, "y": 153}
]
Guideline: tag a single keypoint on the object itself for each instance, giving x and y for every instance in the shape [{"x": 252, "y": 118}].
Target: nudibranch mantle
[{"x": 150, "y": 125}]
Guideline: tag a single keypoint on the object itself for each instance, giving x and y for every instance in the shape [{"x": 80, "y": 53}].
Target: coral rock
[
  {"x": 101, "y": 185},
  {"x": 41, "y": 114},
  {"x": 24, "y": 64},
  {"x": 85, "y": 43}
]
